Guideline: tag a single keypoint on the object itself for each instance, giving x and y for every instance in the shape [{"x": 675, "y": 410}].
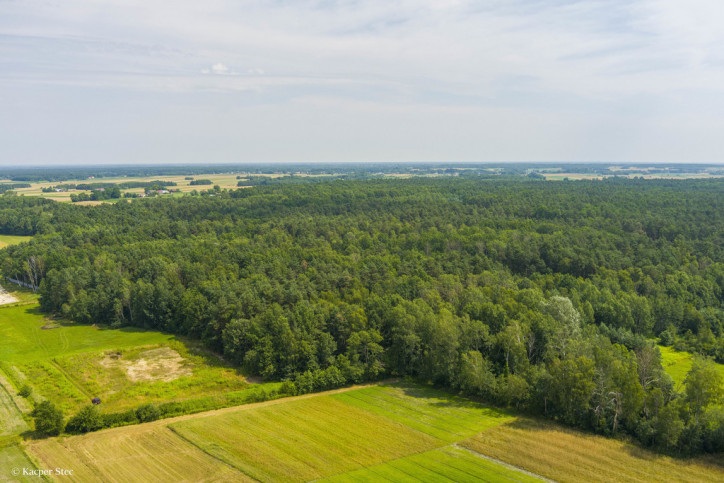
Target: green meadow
[
  {"x": 6, "y": 240},
  {"x": 677, "y": 364}
]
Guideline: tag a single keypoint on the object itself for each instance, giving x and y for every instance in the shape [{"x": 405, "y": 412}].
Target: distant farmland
[{"x": 395, "y": 432}]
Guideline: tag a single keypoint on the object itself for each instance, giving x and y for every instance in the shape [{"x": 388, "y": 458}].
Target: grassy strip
[{"x": 567, "y": 455}]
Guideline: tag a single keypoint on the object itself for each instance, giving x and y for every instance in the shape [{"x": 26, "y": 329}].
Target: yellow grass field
[
  {"x": 137, "y": 453},
  {"x": 567, "y": 455}
]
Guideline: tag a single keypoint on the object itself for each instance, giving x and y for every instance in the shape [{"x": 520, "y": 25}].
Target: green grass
[
  {"x": 677, "y": 364},
  {"x": 6, "y": 240},
  {"x": 430, "y": 411},
  {"x": 25, "y": 340},
  {"x": 11, "y": 419},
  {"x": 303, "y": 439},
  {"x": 446, "y": 464},
  {"x": 13, "y": 457}
]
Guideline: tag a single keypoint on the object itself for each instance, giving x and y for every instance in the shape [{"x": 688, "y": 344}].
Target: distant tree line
[{"x": 541, "y": 296}]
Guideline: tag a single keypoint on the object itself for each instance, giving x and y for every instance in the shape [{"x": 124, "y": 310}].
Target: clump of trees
[{"x": 536, "y": 295}]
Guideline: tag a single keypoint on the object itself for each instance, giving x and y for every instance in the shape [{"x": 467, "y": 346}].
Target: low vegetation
[{"x": 568, "y": 455}]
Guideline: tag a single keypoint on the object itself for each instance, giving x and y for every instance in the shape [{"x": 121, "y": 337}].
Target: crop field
[
  {"x": 302, "y": 440},
  {"x": 450, "y": 463},
  {"x": 432, "y": 412},
  {"x": 329, "y": 435},
  {"x": 13, "y": 457},
  {"x": 11, "y": 418},
  {"x": 137, "y": 453},
  {"x": 568, "y": 455}
]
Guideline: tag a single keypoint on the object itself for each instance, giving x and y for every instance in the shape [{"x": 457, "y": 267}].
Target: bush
[
  {"x": 48, "y": 418},
  {"x": 113, "y": 420},
  {"x": 147, "y": 412},
  {"x": 86, "y": 420},
  {"x": 25, "y": 391}
]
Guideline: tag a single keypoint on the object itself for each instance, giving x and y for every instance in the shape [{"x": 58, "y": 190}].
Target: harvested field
[
  {"x": 138, "y": 453},
  {"x": 302, "y": 439},
  {"x": 445, "y": 464},
  {"x": 11, "y": 419},
  {"x": 567, "y": 455},
  {"x": 432, "y": 412},
  {"x": 12, "y": 457}
]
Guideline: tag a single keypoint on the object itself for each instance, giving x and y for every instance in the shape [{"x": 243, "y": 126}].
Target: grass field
[
  {"x": 302, "y": 440},
  {"x": 138, "y": 453},
  {"x": 71, "y": 363},
  {"x": 12, "y": 457},
  {"x": 568, "y": 455},
  {"x": 432, "y": 412},
  {"x": 6, "y": 240},
  {"x": 332, "y": 436},
  {"x": 677, "y": 364},
  {"x": 11, "y": 418},
  {"x": 446, "y": 464}
]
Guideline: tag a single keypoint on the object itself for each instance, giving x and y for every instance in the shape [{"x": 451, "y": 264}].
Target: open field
[
  {"x": 677, "y": 364},
  {"x": 450, "y": 463},
  {"x": 11, "y": 418},
  {"x": 328, "y": 435},
  {"x": 432, "y": 412},
  {"x": 13, "y": 457},
  {"x": 565, "y": 455},
  {"x": 6, "y": 240},
  {"x": 138, "y": 453},
  {"x": 302, "y": 440},
  {"x": 71, "y": 363},
  {"x": 24, "y": 339}
]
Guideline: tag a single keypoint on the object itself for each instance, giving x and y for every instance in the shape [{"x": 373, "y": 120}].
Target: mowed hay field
[
  {"x": 137, "y": 453},
  {"x": 451, "y": 463},
  {"x": 429, "y": 411},
  {"x": 567, "y": 455},
  {"x": 302, "y": 440},
  {"x": 13, "y": 457}
]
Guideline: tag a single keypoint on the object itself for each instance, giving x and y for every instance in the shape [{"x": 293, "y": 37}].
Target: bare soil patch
[
  {"x": 6, "y": 298},
  {"x": 162, "y": 364}
]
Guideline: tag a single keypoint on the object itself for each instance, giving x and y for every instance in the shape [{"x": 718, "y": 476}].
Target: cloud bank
[{"x": 221, "y": 81}]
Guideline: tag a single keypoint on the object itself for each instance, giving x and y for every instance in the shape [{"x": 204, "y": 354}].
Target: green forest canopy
[{"x": 539, "y": 295}]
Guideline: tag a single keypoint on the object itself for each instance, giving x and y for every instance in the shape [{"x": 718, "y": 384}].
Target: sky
[{"x": 213, "y": 81}]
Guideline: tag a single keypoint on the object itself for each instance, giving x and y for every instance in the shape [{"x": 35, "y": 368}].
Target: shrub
[
  {"x": 147, "y": 412},
  {"x": 86, "y": 420},
  {"x": 25, "y": 391},
  {"x": 48, "y": 418}
]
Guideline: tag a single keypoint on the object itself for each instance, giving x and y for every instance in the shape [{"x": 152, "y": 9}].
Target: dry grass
[
  {"x": 138, "y": 453},
  {"x": 568, "y": 455},
  {"x": 161, "y": 364}
]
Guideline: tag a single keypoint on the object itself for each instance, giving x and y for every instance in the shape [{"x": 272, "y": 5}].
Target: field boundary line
[
  {"x": 218, "y": 458},
  {"x": 503, "y": 463},
  {"x": 70, "y": 379}
]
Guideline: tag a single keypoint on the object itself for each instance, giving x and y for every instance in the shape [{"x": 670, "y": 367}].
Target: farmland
[
  {"x": 330, "y": 435},
  {"x": 569, "y": 455}
]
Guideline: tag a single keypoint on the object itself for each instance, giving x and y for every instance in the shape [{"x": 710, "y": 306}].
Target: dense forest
[{"x": 543, "y": 296}]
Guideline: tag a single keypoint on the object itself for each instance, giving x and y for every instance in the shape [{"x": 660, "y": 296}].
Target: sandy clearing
[{"x": 6, "y": 298}]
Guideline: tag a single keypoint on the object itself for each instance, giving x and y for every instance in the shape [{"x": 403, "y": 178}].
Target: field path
[{"x": 502, "y": 463}]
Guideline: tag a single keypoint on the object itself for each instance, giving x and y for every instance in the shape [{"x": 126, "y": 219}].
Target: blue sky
[{"x": 143, "y": 81}]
